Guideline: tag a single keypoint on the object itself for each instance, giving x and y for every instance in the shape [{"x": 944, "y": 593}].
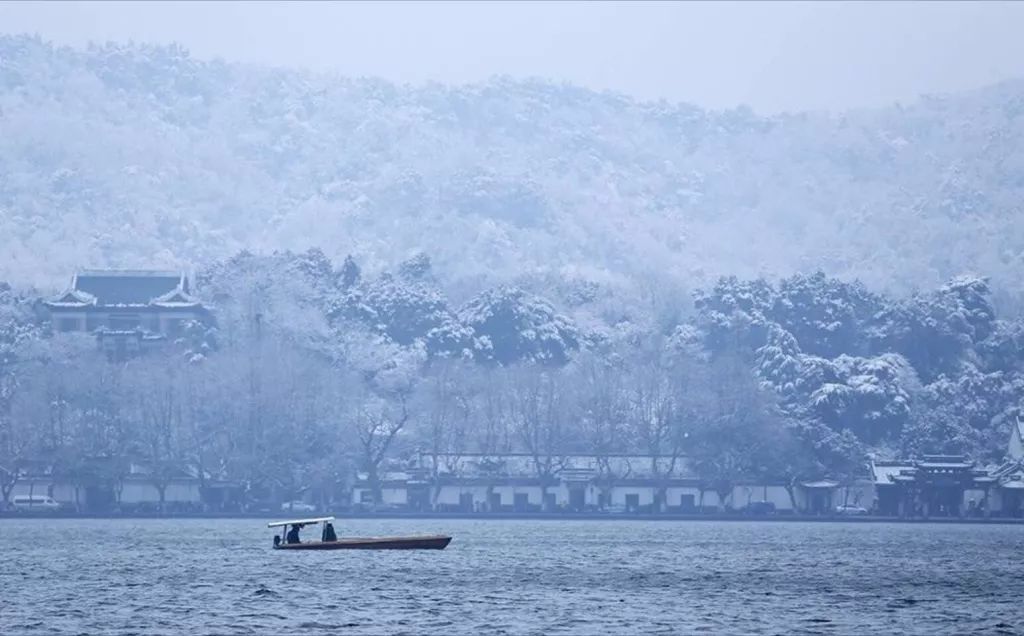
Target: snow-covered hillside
[{"x": 142, "y": 156}]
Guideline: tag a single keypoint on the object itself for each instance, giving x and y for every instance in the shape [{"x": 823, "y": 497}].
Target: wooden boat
[
  {"x": 425, "y": 542},
  {"x": 329, "y": 542}
]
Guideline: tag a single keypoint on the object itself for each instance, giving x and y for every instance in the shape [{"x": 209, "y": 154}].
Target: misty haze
[{"x": 579, "y": 318}]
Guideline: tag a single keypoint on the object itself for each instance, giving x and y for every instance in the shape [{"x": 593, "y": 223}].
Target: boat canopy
[{"x": 300, "y": 522}]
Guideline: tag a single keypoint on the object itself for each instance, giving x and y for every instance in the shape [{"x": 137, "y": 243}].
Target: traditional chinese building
[
  {"x": 511, "y": 482},
  {"x": 934, "y": 486},
  {"x": 1008, "y": 491},
  {"x": 128, "y": 310}
]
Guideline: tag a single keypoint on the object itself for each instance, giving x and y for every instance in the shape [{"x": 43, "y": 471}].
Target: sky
[{"x": 769, "y": 56}]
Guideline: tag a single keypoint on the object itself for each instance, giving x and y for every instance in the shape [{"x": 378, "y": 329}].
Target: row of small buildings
[
  {"x": 132, "y": 310},
  {"x": 933, "y": 486}
]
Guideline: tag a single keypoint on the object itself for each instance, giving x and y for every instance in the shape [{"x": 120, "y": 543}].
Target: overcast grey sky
[{"x": 771, "y": 56}]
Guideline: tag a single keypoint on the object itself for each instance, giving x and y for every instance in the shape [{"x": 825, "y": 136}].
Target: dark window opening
[{"x": 174, "y": 326}]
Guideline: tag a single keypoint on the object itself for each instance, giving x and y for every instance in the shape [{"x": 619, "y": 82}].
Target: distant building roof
[
  {"x": 945, "y": 466},
  {"x": 72, "y": 298},
  {"x": 884, "y": 472},
  {"x": 126, "y": 288},
  {"x": 929, "y": 468},
  {"x": 945, "y": 461},
  {"x": 1010, "y": 474},
  {"x": 821, "y": 483}
]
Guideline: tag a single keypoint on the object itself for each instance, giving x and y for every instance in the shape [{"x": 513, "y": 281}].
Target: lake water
[{"x": 513, "y": 577}]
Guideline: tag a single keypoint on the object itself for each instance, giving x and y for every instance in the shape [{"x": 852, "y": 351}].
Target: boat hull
[{"x": 433, "y": 542}]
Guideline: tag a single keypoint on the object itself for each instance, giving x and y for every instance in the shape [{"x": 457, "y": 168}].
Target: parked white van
[{"x": 34, "y": 502}]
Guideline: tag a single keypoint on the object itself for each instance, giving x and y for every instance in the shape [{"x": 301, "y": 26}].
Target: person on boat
[
  {"x": 293, "y": 534},
  {"x": 329, "y": 534}
]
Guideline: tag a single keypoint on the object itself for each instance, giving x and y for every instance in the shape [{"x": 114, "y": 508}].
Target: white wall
[
  {"x": 388, "y": 496},
  {"x": 134, "y": 491},
  {"x": 145, "y": 492},
  {"x": 508, "y": 493},
  {"x": 62, "y": 492},
  {"x": 65, "y": 494},
  {"x": 674, "y": 494},
  {"x": 449, "y": 495},
  {"x": 742, "y": 495},
  {"x": 645, "y": 493}
]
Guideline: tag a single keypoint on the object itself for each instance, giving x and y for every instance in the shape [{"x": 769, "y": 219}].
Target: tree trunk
[
  {"x": 375, "y": 486},
  {"x": 791, "y": 491},
  {"x": 435, "y": 486},
  {"x": 6, "y": 488},
  {"x": 435, "y": 481},
  {"x": 161, "y": 489},
  {"x": 203, "y": 489},
  {"x": 723, "y": 496},
  {"x": 659, "y": 498},
  {"x": 435, "y": 493}
]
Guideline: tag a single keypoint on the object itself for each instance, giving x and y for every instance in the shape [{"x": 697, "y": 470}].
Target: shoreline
[{"x": 524, "y": 516}]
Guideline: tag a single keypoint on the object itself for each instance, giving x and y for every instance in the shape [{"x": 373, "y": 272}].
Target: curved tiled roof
[{"x": 126, "y": 288}]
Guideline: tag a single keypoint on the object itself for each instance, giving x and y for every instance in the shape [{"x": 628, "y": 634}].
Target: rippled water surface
[{"x": 515, "y": 577}]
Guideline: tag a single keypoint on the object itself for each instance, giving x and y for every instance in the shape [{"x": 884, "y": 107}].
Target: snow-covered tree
[
  {"x": 825, "y": 315},
  {"x": 511, "y": 326}
]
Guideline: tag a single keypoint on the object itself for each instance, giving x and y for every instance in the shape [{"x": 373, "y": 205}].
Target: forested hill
[{"x": 143, "y": 156}]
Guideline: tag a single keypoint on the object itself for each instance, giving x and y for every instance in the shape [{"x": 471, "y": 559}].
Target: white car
[
  {"x": 297, "y": 506},
  {"x": 34, "y": 502},
  {"x": 850, "y": 509}
]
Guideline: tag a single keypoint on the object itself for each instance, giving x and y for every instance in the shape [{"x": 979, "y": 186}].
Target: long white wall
[
  {"x": 133, "y": 492},
  {"x": 451, "y": 495},
  {"x": 144, "y": 492},
  {"x": 389, "y": 496}
]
